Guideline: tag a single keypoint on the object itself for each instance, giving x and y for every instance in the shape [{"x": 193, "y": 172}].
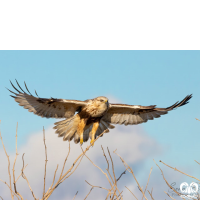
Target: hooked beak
[{"x": 106, "y": 101}]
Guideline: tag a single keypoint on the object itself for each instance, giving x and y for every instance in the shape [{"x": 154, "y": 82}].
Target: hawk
[{"x": 89, "y": 118}]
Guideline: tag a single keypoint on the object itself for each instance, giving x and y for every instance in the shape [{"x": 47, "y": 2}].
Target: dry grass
[{"x": 113, "y": 192}]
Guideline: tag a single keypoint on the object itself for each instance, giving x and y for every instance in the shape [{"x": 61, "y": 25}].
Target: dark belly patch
[
  {"x": 93, "y": 120},
  {"x": 86, "y": 115}
]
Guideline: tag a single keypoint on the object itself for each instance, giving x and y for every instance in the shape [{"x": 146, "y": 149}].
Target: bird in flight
[{"x": 89, "y": 118}]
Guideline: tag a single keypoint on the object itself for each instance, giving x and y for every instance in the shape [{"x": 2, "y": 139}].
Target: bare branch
[
  {"x": 150, "y": 195},
  {"x": 197, "y": 162},
  {"x": 121, "y": 175},
  {"x": 20, "y": 174},
  {"x": 105, "y": 156},
  {"x": 89, "y": 193},
  {"x": 14, "y": 182},
  {"x": 65, "y": 176},
  {"x": 112, "y": 166},
  {"x": 97, "y": 186},
  {"x": 116, "y": 188},
  {"x": 147, "y": 181},
  {"x": 131, "y": 171},
  {"x": 45, "y": 168},
  {"x": 8, "y": 166},
  {"x": 131, "y": 192},
  {"x": 10, "y": 189},
  {"x": 107, "y": 164},
  {"x": 120, "y": 195},
  {"x": 169, "y": 195},
  {"x": 99, "y": 169},
  {"x": 167, "y": 182},
  {"x": 53, "y": 179},
  {"x": 75, "y": 195},
  {"x": 23, "y": 175},
  {"x": 180, "y": 171}
]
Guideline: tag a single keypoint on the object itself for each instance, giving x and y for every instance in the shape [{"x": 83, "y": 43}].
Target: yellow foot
[
  {"x": 92, "y": 142},
  {"x": 81, "y": 141}
]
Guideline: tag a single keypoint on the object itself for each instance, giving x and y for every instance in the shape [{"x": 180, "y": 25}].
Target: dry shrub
[{"x": 113, "y": 192}]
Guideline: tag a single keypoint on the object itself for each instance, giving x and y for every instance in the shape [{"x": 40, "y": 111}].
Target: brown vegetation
[{"x": 113, "y": 192}]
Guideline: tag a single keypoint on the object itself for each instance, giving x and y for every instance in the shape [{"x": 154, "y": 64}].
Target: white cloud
[{"x": 132, "y": 143}]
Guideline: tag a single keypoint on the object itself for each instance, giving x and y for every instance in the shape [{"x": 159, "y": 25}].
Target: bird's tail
[{"x": 67, "y": 128}]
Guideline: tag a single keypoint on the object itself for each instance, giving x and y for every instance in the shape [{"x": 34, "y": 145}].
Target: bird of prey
[{"x": 89, "y": 118}]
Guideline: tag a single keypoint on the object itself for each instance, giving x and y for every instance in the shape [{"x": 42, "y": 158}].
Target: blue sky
[{"x": 133, "y": 77}]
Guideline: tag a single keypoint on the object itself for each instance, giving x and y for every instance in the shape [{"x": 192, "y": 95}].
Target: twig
[
  {"x": 131, "y": 171},
  {"x": 23, "y": 165},
  {"x": 108, "y": 164},
  {"x": 14, "y": 182},
  {"x": 53, "y": 179},
  {"x": 119, "y": 195},
  {"x": 20, "y": 174},
  {"x": 89, "y": 193},
  {"x": 105, "y": 156},
  {"x": 75, "y": 195},
  {"x": 131, "y": 192},
  {"x": 121, "y": 175},
  {"x": 60, "y": 173},
  {"x": 150, "y": 195},
  {"x": 107, "y": 169},
  {"x": 45, "y": 168},
  {"x": 8, "y": 165},
  {"x": 98, "y": 168},
  {"x": 10, "y": 189},
  {"x": 197, "y": 162},
  {"x": 116, "y": 188},
  {"x": 97, "y": 186},
  {"x": 63, "y": 177},
  {"x": 23, "y": 175},
  {"x": 169, "y": 195},
  {"x": 147, "y": 182},
  {"x": 65, "y": 161},
  {"x": 166, "y": 181},
  {"x": 180, "y": 171},
  {"x": 109, "y": 193},
  {"x": 112, "y": 166},
  {"x": 1, "y": 197}
]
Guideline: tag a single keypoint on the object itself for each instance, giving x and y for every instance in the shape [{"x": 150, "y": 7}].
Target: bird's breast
[{"x": 93, "y": 111}]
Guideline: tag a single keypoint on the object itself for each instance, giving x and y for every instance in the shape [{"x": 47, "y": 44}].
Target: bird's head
[{"x": 101, "y": 102}]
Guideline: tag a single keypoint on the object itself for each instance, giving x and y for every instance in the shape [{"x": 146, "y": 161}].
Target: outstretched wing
[
  {"x": 55, "y": 108},
  {"x": 130, "y": 114}
]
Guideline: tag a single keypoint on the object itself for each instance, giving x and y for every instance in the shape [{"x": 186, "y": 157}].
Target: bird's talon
[
  {"x": 81, "y": 141},
  {"x": 92, "y": 142}
]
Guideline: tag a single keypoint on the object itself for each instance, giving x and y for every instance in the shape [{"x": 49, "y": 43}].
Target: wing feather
[
  {"x": 122, "y": 119},
  {"x": 127, "y": 119},
  {"x": 55, "y": 108},
  {"x": 135, "y": 114},
  {"x": 139, "y": 119}
]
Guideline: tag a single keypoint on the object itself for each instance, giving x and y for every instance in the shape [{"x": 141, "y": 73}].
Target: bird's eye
[{"x": 101, "y": 100}]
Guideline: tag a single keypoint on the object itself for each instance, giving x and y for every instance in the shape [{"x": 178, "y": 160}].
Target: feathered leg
[
  {"x": 94, "y": 129},
  {"x": 80, "y": 129}
]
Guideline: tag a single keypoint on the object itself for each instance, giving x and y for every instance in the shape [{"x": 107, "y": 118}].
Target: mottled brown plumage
[{"x": 91, "y": 117}]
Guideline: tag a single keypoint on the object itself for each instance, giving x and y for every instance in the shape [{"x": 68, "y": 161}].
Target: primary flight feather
[{"x": 94, "y": 116}]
